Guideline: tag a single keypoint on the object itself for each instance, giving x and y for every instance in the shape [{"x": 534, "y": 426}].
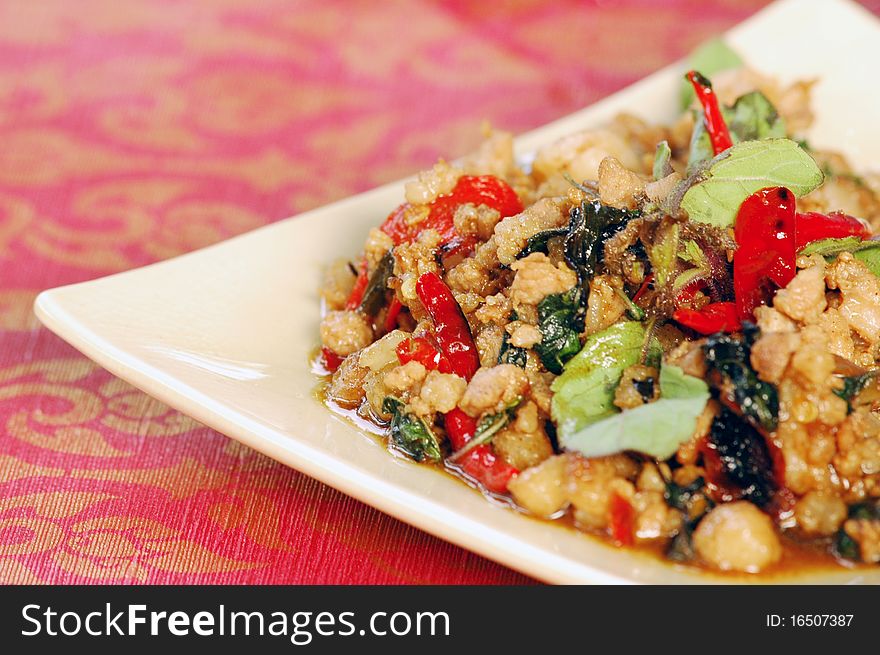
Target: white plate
[{"x": 224, "y": 334}]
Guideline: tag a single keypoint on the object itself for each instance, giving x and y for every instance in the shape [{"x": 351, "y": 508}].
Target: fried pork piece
[
  {"x": 847, "y": 194},
  {"x": 494, "y": 156},
  {"x": 411, "y": 260},
  {"x": 492, "y": 390},
  {"x": 605, "y": 304},
  {"x": 440, "y": 392},
  {"x": 345, "y": 332},
  {"x": 512, "y": 234},
  {"x": 536, "y": 278},
  {"x": 866, "y": 533},
  {"x": 338, "y": 282},
  {"x": 436, "y": 181},
  {"x": 860, "y": 293},
  {"x": 524, "y": 443},
  {"x": 580, "y": 154},
  {"x": 618, "y": 186},
  {"x": 737, "y": 536},
  {"x": 819, "y": 513}
]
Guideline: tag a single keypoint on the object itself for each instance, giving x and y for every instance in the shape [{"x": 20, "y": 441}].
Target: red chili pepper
[
  {"x": 393, "y": 312},
  {"x": 421, "y": 350},
  {"x": 481, "y": 463},
  {"x": 622, "y": 520},
  {"x": 330, "y": 360},
  {"x": 450, "y": 326},
  {"x": 713, "y": 119},
  {"x": 765, "y": 257},
  {"x": 477, "y": 189},
  {"x": 644, "y": 287},
  {"x": 459, "y": 428},
  {"x": 360, "y": 286},
  {"x": 712, "y": 318},
  {"x": 813, "y": 226},
  {"x": 489, "y": 469}
]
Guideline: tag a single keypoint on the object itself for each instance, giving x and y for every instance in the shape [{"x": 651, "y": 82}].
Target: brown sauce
[{"x": 799, "y": 555}]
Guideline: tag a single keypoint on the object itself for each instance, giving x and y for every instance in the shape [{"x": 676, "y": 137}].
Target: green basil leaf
[
  {"x": 377, "y": 287},
  {"x": 865, "y": 251},
  {"x": 656, "y": 429},
  {"x": 710, "y": 57},
  {"x": 558, "y": 323},
  {"x": 512, "y": 354},
  {"x": 662, "y": 155},
  {"x": 753, "y": 117},
  {"x": 584, "y": 393},
  {"x": 410, "y": 433},
  {"x": 747, "y": 167}
]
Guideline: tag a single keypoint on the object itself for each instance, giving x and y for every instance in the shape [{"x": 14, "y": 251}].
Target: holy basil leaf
[
  {"x": 584, "y": 393},
  {"x": 558, "y": 323},
  {"x": 709, "y": 58},
  {"x": 743, "y": 457},
  {"x": 656, "y": 429},
  {"x": 751, "y": 118},
  {"x": 867, "y": 252},
  {"x": 590, "y": 225},
  {"x": 410, "y": 433},
  {"x": 512, "y": 354},
  {"x": 377, "y": 287},
  {"x": 747, "y": 167},
  {"x": 540, "y": 242},
  {"x": 487, "y": 428},
  {"x": 731, "y": 357},
  {"x": 662, "y": 156}
]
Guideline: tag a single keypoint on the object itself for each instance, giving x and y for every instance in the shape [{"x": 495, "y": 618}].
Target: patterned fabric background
[{"x": 135, "y": 131}]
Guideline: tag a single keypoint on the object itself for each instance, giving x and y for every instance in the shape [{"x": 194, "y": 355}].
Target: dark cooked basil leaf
[
  {"x": 730, "y": 356},
  {"x": 590, "y": 225},
  {"x": 539, "y": 242},
  {"x": 679, "y": 496},
  {"x": 377, "y": 286},
  {"x": 558, "y": 319},
  {"x": 410, "y": 433},
  {"x": 512, "y": 354},
  {"x": 744, "y": 457}
]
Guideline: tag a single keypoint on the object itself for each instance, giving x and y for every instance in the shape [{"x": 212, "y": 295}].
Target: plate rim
[{"x": 392, "y": 500}]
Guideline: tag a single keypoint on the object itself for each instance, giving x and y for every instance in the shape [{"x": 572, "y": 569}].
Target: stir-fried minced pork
[{"x": 606, "y": 336}]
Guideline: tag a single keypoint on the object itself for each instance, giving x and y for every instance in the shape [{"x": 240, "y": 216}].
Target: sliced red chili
[
  {"x": 459, "y": 428},
  {"x": 765, "y": 256},
  {"x": 622, "y": 521},
  {"x": 712, "y": 318},
  {"x": 451, "y": 328},
  {"x": 488, "y": 469},
  {"x": 394, "y": 308},
  {"x": 646, "y": 283},
  {"x": 329, "y": 359},
  {"x": 421, "y": 350},
  {"x": 403, "y": 225},
  {"x": 813, "y": 226},
  {"x": 360, "y": 286},
  {"x": 713, "y": 119}
]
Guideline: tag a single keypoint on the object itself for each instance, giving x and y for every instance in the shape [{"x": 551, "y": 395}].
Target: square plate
[{"x": 224, "y": 334}]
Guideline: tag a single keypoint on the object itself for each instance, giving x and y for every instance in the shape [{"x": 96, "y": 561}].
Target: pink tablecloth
[{"x": 135, "y": 131}]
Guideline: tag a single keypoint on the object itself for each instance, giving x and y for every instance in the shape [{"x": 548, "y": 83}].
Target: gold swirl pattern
[{"x": 136, "y": 131}]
